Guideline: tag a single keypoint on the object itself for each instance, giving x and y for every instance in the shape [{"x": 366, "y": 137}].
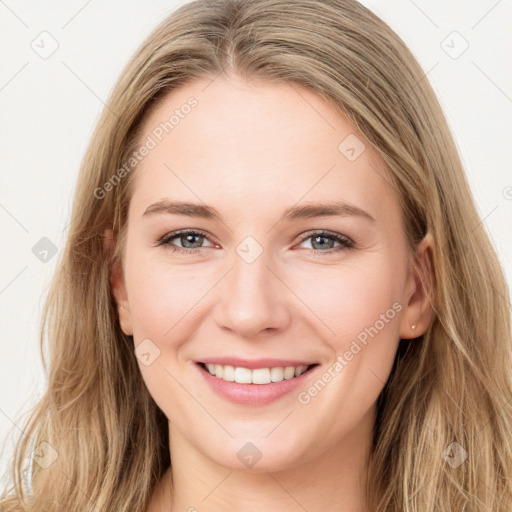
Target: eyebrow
[{"x": 305, "y": 211}]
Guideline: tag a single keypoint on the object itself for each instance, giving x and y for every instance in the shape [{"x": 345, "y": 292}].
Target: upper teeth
[{"x": 256, "y": 376}]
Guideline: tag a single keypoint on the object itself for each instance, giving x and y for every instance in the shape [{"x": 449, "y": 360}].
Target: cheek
[
  {"x": 163, "y": 296},
  {"x": 162, "y": 300},
  {"x": 361, "y": 306},
  {"x": 349, "y": 300}
]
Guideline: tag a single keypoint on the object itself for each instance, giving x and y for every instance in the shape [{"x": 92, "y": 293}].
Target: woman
[{"x": 276, "y": 293}]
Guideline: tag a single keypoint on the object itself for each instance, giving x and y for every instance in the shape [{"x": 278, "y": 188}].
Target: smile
[{"x": 255, "y": 386}]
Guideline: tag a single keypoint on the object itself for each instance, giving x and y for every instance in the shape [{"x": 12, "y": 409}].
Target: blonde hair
[{"x": 451, "y": 385}]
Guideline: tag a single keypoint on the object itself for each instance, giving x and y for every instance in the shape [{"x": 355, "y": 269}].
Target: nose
[{"x": 253, "y": 299}]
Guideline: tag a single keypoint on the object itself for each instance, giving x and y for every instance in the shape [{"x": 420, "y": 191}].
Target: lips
[{"x": 255, "y": 391}]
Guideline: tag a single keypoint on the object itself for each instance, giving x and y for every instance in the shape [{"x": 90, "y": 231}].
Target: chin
[{"x": 259, "y": 456}]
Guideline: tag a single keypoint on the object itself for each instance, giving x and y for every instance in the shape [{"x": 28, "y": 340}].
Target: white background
[{"x": 48, "y": 108}]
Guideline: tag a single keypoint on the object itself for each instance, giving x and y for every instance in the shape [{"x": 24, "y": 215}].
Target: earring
[{"x": 413, "y": 327}]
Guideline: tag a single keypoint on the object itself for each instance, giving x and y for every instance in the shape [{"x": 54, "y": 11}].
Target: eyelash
[{"x": 345, "y": 242}]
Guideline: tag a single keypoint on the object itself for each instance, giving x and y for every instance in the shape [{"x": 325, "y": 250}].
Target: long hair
[{"x": 449, "y": 393}]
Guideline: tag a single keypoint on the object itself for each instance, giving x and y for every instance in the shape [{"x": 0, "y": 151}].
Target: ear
[
  {"x": 118, "y": 286},
  {"x": 419, "y": 309}
]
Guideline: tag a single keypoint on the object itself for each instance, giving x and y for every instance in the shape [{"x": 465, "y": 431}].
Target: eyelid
[
  {"x": 325, "y": 232},
  {"x": 186, "y": 231}
]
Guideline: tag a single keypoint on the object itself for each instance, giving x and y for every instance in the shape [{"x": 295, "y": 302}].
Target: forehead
[{"x": 237, "y": 142}]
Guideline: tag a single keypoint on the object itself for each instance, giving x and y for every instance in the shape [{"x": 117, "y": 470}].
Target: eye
[
  {"x": 323, "y": 241},
  {"x": 189, "y": 239},
  {"x": 192, "y": 240}
]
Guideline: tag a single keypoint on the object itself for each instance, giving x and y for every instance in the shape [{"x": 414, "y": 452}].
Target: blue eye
[
  {"x": 185, "y": 237},
  {"x": 191, "y": 241},
  {"x": 319, "y": 239}
]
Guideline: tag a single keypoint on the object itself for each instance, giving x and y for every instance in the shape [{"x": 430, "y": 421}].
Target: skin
[{"x": 251, "y": 150}]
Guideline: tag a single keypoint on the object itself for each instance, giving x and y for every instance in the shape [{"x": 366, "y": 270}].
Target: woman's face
[{"x": 271, "y": 175}]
